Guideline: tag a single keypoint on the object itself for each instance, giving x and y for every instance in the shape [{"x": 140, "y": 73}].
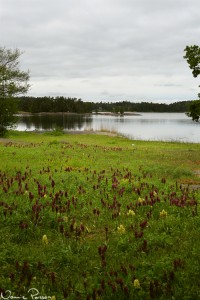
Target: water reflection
[
  {"x": 147, "y": 126},
  {"x": 50, "y": 122}
]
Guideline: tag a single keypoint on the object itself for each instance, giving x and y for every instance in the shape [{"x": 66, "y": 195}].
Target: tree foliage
[
  {"x": 193, "y": 59},
  {"x": 74, "y": 105},
  {"x": 13, "y": 82},
  {"x": 194, "y": 110}
]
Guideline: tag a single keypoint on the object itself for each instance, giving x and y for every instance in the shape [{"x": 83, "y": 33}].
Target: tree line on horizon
[{"x": 74, "y": 105}]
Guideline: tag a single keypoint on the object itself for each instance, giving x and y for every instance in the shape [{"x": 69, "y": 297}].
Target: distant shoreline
[{"x": 24, "y": 113}]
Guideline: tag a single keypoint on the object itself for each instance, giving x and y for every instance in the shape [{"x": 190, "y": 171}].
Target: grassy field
[{"x": 97, "y": 217}]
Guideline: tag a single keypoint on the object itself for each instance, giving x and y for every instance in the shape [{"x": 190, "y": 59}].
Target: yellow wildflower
[
  {"x": 131, "y": 213},
  {"x": 136, "y": 284},
  {"x": 45, "y": 239},
  {"x": 140, "y": 200},
  {"x": 163, "y": 214},
  {"x": 87, "y": 229},
  {"x": 53, "y": 298},
  {"x": 74, "y": 226},
  {"x": 121, "y": 229},
  {"x": 65, "y": 219}
]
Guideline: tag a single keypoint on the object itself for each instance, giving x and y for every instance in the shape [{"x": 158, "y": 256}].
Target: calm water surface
[{"x": 147, "y": 126}]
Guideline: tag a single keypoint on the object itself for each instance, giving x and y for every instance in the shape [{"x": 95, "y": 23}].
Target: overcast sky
[{"x": 104, "y": 50}]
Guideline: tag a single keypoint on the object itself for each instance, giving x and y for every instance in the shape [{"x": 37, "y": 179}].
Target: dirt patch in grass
[{"x": 192, "y": 184}]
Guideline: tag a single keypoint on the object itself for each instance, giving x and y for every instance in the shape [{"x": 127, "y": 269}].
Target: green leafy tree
[
  {"x": 194, "y": 110},
  {"x": 13, "y": 82},
  {"x": 193, "y": 59}
]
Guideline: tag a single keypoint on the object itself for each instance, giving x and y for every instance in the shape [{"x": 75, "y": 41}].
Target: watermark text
[{"x": 32, "y": 293}]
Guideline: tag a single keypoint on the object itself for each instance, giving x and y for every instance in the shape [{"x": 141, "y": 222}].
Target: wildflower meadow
[{"x": 97, "y": 217}]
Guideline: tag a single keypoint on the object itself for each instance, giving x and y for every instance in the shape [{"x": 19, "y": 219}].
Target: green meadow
[{"x": 90, "y": 216}]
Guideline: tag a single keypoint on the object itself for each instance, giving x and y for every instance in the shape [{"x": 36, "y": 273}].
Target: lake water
[{"x": 146, "y": 126}]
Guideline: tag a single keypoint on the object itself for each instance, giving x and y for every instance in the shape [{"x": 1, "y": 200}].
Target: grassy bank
[{"x": 98, "y": 217}]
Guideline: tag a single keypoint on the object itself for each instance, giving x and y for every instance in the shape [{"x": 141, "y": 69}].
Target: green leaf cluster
[
  {"x": 13, "y": 82},
  {"x": 193, "y": 59},
  {"x": 194, "y": 112}
]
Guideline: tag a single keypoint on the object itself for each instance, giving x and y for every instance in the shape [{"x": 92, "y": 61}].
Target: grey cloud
[
  {"x": 168, "y": 84},
  {"x": 106, "y": 40}
]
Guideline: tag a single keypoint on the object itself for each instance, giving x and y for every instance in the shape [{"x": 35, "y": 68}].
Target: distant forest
[{"x": 74, "y": 105}]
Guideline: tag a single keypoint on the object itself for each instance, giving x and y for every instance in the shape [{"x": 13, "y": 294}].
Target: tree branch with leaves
[
  {"x": 192, "y": 56},
  {"x": 13, "y": 82}
]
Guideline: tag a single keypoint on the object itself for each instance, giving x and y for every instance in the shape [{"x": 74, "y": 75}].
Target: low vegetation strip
[{"x": 98, "y": 217}]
